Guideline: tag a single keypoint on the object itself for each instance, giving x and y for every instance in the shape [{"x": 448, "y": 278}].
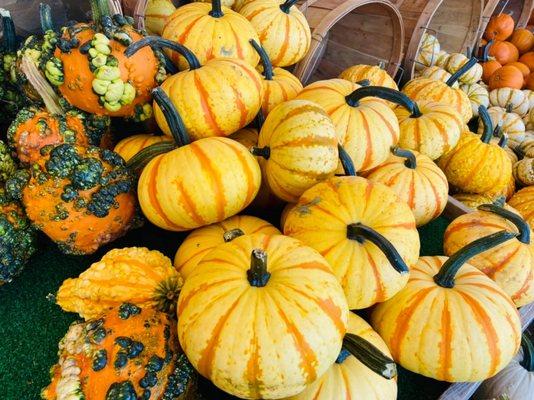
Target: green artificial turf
[{"x": 31, "y": 326}]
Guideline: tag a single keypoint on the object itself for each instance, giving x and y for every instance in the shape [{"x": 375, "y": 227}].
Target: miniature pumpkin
[
  {"x": 297, "y": 148},
  {"x": 364, "y": 231},
  {"x": 438, "y": 74},
  {"x": 528, "y": 60},
  {"x": 529, "y": 94},
  {"x": 524, "y": 171},
  {"x": 504, "y": 52},
  {"x": 130, "y": 146},
  {"x": 155, "y": 14},
  {"x": 478, "y": 96},
  {"x": 489, "y": 68},
  {"x": 474, "y": 200},
  {"x": 376, "y": 75},
  {"x": 516, "y": 99},
  {"x": 521, "y": 67},
  {"x": 523, "y": 201},
  {"x": 499, "y": 27},
  {"x": 529, "y": 81},
  {"x": 203, "y": 240},
  {"x": 282, "y": 28},
  {"x": 506, "y": 77},
  {"x": 303, "y": 316},
  {"x": 523, "y": 39},
  {"x": 476, "y": 165},
  {"x": 428, "y": 51},
  {"x": 129, "y": 353},
  {"x": 510, "y": 123},
  {"x": 526, "y": 148},
  {"x": 457, "y": 61},
  {"x": 210, "y": 31},
  {"x": 511, "y": 264},
  {"x": 443, "y": 296},
  {"x": 349, "y": 377},
  {"x": 416, "y": 180},
  {"x": 442, "y": 58}
]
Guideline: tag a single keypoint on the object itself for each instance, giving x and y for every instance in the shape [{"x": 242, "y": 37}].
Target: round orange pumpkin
[
  {"x": 499, "y": 27},
  {"x": 506, "y": 77},
  {"x": 529, "y": 81},
  {"x": 523, "y": 39},
  {"x": 528, "y": 60},
  {"x": 520, "y": 66},
  {"x": 488, "y": 68},
  {"x": 130, "y": 146},
  {"x": 504, "y": 52}
]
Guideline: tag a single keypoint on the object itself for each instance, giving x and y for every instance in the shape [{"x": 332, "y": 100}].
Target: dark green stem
[
  {"x": 99, "y": 9},
  {"x": 388, "y": 94},
  {"x": 9, "y": 35},
  {"x": 216, "y": 9},
  {"x": 528, "y": 353},
  {"x": 45, "y": 15},
  {"x": 520, "y": 223},
  {"x": 285, "y": 7},
  {"x": 267, "y": 66},
  {"x": 264, "y": 152},
  {"x": 485, "y": 53},
  {"x": 157, "y": 41},
  {"x": 141, "y": 159},
  {"x": 503, "y": 141},
  {"x": 257, "y": 275},
  {"x": 364, "y": 82},
  {"x": 486, "y": 122},
  {"x": 259, "y": 120},
  {"x": 447, "y": 273},
  {"x": 175, "y": 122},
  {"x": 346, "y": 161},
  {"x": 411, "y": 160},
  {"x": 230, "y": 235},
  {"x": 361, "y": 233},
  {"x": 466, "y": 67}
]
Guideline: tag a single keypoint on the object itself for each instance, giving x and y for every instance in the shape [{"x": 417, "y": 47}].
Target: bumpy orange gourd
[
  {"x": 376, "y": 75},
  {"x": 510, "y": 265},
  {"x": 523, "y": 39},
  {"x": 210, "y": 31},
  {"x": 130, "y": 275},
  {"x": 282, "y": 28},
  {"x": 286, "y": 305},
  {"x": 130, "y": 146},
  {"x": 499, "y": 27},
  {"x": 366, "y": 233},
  {"x": 523, "y": 201},
  {"x": 416, "y": 180},
  {"x": 203, "y": 240}
]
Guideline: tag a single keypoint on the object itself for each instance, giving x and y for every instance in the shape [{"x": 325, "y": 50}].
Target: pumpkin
[
  {"x": 215, "y": 99},
  {"x": 416, "y": 180},
  {"x": 475, "y": 200},
  {"x": 80, "y": 197},
  {"x": 475, "y": 165},
  {"x": 130, "y": 353},
  {"x": 523, "y": 201},
  {"x": 442, "y": 58},
  {"x": 91, "y": 71},
  {"x": 443, "y": 296},
  {"x": 478, "y": 96},
  {"x": 130, "y": 146},
  {"x": 366, "y": 233},
  {"x": 282, "y": 28},
  {"x": 210, "y": 31},
  {"x": 297, "y": 148},
  {"x": 303, "y": 317},
  {"x": 248, "y": 137},
  {"x": 523, "y": 39},
  {"x": 427, "y": 53},
  {"x": 155, "y": 14},
  {"x": 504, "y": 52},
  {"x": 524, "y": 171},
  {"x": 457, "y": 61},
  {"x": 499, "y": 27},
  {"x": 350, "y": 377},
  {"x": 489, "y": 68},
  {"x": 376, "y": 75},
  {"x": 506, "y": 77},
  {"x": 526, "y": 149},
  {"x": 520, "y": 66},
  {"x": 529, "y": 81},
  {"x": 529, "y": 94},
  {"x": 203, "y": 240},
  {"x": 511, "y": 264},
  {"x": 438, "y": 74},
  {"x": 516, "y": 99},
  {"x": 516, "y": 380},
  {"x": 528, "y": 60},
  {"x": 224, "y": 175},
  {"x": 510, "y": 123},
  {"x": 279, "y": 85}
]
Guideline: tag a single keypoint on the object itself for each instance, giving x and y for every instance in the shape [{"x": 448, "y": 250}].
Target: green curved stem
[
  {"x": 157, "y": 41},
  {"x": 466, "y": 67},
  {"x": 216, "y": 9},
  {"x": 265, "y": 61},
  {"x": 9, "y": 35},
  {"x": 45, "y": 16},
  {"x": 230, "y": 235},
  {"x": 486, "y": 122},
  {"x": 411, "y": 160},
  {"x": 285, "y": 7},
  {"x": 142, "y": 158},
  {"x": 264, "y": 152},
  {"x": 384, "y": 93},
  {"x": 259, "y": 120},
  {"x": 503, "y": 141},
  {"x": 175, "y": 122},
  {"x": 360, "y": 232},
  {"x": 257, "y": 275},
  {"x": 522, "y": 226},
  {"x": 364, "y": 82},
  {"x": 528, "y": 353},
  {"x": 446, "y": 275},
  {"x": 485, "y": 53},
  {"x": 346, "y": 161}
]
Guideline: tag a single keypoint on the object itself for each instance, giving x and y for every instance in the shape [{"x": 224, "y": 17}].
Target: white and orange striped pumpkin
[
  {"x": 437, "y": 73},
  {"x": 517, "y": 100},
  {"x": 442, "y": 58},
  {"x": 429, "y": 48},
  {"x": 156, "y": 14},
  {"x": 457, "y": 61},
  {"x": 511, "y": 124},
  {"x": 523, "y": 201},
  {"x": 376, "y": 75},
  {"x": 262, "y": 316},
  {"x": 130, "y": 146},
  {"x": 478, "y": 96}
]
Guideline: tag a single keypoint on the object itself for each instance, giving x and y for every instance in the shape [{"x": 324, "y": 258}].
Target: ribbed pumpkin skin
[
  {"x": 434, "y": 133},
  {"x": 367, "y": 131},
  {"x": 320, "y": 220},
  {"x": 208, "y": 37},
  {"x": 457, "y": 61},
  {"x": 437, "y": 73},
  {"x": 475, "y": 200},
  {"x": 475, "y": 167},
  {"x": 217, "y": 99},
  {"x": 199, "y": 184},
  {"x": 478, "y": 96},
  {"x": 523, "y": 201},
  {"x": 376, "y": 75},
  {"x": 424, "y": 189},
  {"x": 131, "y": 275},
  {"x": 428, "y": 89},
  {"x": 203, "y": 240},
  {"x": 248, "y": 137},
  {"x": 283, "y": 87},
  {"x": 510, "y": 265},
  {"x": 511, "y": 123},
  {"x": 442, "y": 59},
  {"x": 352, "y": 379},
  {"x": 290, "y": 331},
  {"x": 303, "y": 148},
  {"x": 464, "y": 334},
  {"x": 130, "y": 146},
  {"x": 503, "y": 97},
  {"x": 523, "y": 39},
  {"x": 156, "y": 14},
  {"x": 428, "y": 51},
  {"x": 285, "y": 37}
]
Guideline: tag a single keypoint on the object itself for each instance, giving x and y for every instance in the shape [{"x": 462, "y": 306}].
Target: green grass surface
[{"x": 31, "y": 326}]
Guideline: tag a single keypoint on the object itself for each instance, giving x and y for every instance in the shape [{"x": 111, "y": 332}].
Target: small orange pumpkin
[
  {"x": 130, "y": 146},
  {"x": 500, "y": 27},
  {"x": 523, "y": 39},
  {"x": 504, "y": 52},
  {"x": 488, "y": 68},
  {"x": 529, "y": 81},
  {"x": 521, "y": 67},
  {"x": 528, "y": 60},
  {"x": 506, "y": 77}
]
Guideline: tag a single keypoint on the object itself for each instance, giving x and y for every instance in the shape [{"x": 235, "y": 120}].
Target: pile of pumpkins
[{"x": 262, "y": 312}]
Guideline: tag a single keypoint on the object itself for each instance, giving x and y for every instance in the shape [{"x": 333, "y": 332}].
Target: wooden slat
[{"x": 455, "y": 208}]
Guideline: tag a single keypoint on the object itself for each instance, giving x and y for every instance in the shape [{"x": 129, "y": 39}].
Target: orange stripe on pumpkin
[
  {"x": 208, "y": 114},
  {"x": 445, "y": 350}
]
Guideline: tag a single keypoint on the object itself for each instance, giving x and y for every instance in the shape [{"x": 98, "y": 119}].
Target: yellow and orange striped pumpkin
[
  {"x": 472, "y": 325},
  {"x": 156, "y": 13},
  {"x": 523, "y": 201},
  {"x": 438, "y": 74},
  {"x": 130, "y": 146},
  {"x": 282, "y": 300},
  {"x": 376, "y": 75},
  {"x": 365, "y": 232},
  {"x": 203, "y": 240}
]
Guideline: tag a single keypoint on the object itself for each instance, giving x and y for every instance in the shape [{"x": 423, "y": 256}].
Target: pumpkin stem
[
  {"x": 369, "y": 355},
  {"x": 346, "y": 161},
  {"x": 9, "y": 36},
  {"x": 509, "y": 107},
  {"x": 500, "y": 201},
  {"x": 411, "y": 160},
  {"x": 45, "y": 16},
  {"x": 264, "y": 152},
  {"x": 287, "y": 5},
  {"x": 449, "y": 269},
  {"x": 528, "y": 353},
  {"x": 267, "y": 65},
  {"x": 257, "y": 275},
  {"x": 384, "y": 93},
  {"x": 216, "y": 9},
  {"x": 189, "y": 56},
  {"x": 99, "y": 9},
  {"x": 466, "y": 67},
  {"x": 259, "y": 120},
  {"x": 485, "y": 53},
  {"x": 486, "y": 122},
  {"x": 503, "y": 141},
  {"x": 230, "y": 235},
  {"x": 37, "y": 80},
  {"x": 141, "y": 159},
  {"x": 520, "y": 223},
  {"x": 363, "y": 82},
  {"x": 166, "y": 294},
  {"x": 175, "y": 122},
  {"x": 360, "y": 232}
]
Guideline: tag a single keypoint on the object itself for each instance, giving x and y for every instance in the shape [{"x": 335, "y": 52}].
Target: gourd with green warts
[{"x": 8, "y": 166}]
